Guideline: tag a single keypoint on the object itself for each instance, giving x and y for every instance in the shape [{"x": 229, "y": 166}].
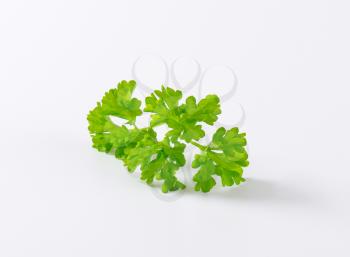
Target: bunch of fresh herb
[{"x": 225, "y": 156}]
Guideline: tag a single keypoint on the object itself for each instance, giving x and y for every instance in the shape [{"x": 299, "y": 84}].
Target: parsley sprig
[{"x": 225, "y": 156}]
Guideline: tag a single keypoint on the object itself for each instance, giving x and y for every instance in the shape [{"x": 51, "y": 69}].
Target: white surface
[{"x": 60, "y": 197}]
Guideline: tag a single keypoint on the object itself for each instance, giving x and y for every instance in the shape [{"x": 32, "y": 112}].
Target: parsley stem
[{"x": 201, "y": 147}]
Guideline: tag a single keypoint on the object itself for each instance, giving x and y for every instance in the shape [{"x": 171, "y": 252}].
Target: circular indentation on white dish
[
  {"x": 233, "y": 115},
  {"x": 185, "y": 73},
  {"x": 150, "y": 71},
  {"x": 219, "y": 80}
]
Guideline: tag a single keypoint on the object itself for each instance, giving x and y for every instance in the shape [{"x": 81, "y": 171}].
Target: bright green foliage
[
  {"x": 204, "y": 177},
  {"x": 139, "y": 148},
  {"x": 118, "y": 102},
  {"x": 182, "y": 119},
  {"x": 225, "y": 157}
]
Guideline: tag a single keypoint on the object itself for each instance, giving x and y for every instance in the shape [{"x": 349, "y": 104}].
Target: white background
[{"x": 60, "y": 197}]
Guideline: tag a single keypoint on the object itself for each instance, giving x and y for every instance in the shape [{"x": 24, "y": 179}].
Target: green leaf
[
  {"x": 225, "y": 157},
  {"x": 207, "y": 110},
  {"x": 164, "y": 104},
  {"x": 182, "y": 119},
  {"x": 118, "y": 102},
  {"x": 164, "y": 167},
  {"x": 152, "y": 168},
  {"x": 107, "y": 136},
  {"x": 204, "y": 177},
  {"x": 157, "y": 159},
  {"x": 231, "y": 142},
  {"x": 167, "y": 173},
  {"x": 100, "y": 128},
  {"x": 143, "y": 151}
]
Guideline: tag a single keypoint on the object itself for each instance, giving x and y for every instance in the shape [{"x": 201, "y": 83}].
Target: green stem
[{"x": 201, "y": 147}]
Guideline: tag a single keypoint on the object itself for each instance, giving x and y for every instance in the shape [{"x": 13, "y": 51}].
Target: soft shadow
[{"x": 262, "y": 191}]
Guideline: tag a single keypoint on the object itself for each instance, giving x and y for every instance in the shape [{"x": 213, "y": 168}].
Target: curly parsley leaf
[
  {"x": 182, "y": 119},
  {"x": 116, "y": 102},
  {"x": 204, "y": 177},
  {"x": 139, "y": 148},
  {"x": 119, "y": 102},
  {"x": 157, "y": 160},
  {"x": 225, "y": 157},
  {"x": 164, "y": 104}
]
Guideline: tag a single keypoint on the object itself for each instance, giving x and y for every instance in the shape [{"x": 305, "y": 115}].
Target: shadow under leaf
[{"x": 261, "y": 191}]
